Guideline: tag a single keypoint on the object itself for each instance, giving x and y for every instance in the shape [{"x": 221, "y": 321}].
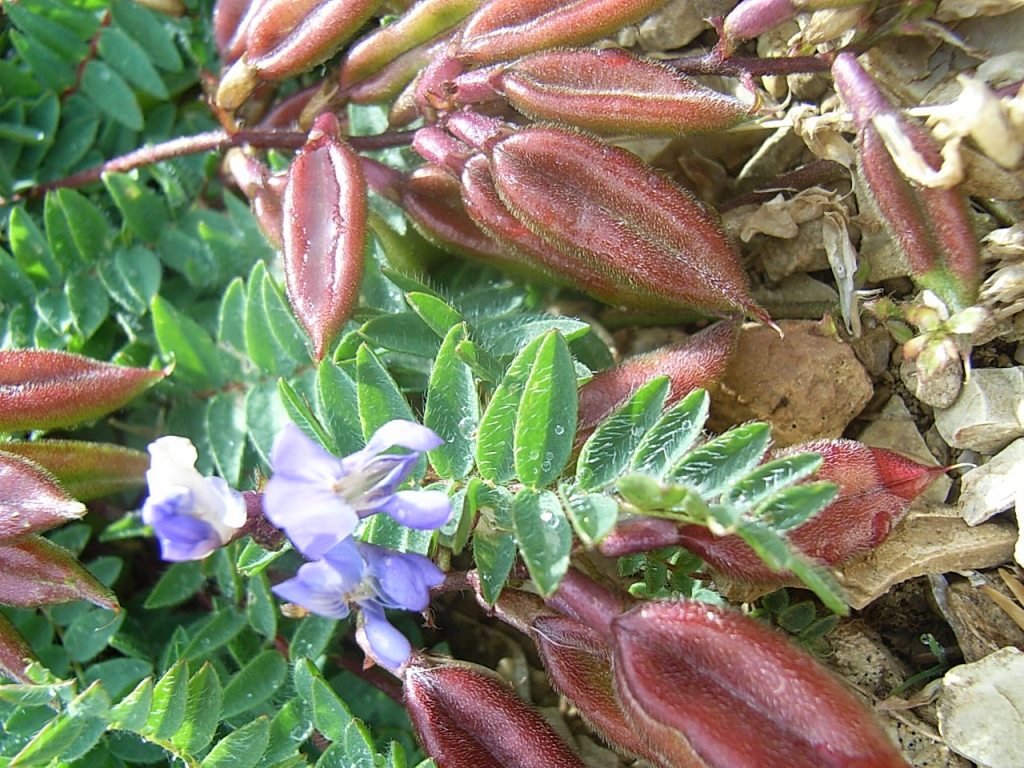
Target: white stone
[
  {"x": 989, "y": 413},
  {"x": 993, "y": 487},
  {"x": 981, "y": 710}
]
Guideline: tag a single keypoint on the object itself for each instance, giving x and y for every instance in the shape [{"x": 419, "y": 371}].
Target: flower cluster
[{"x": 318, "y": 500}]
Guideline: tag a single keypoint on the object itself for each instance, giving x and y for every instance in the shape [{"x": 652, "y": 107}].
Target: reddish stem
[
  {"x": 715, "y": 63},
  {"x": 207, "y": 142}
]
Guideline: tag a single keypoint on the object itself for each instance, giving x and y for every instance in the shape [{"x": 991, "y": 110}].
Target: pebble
[
  {"x": 981, "y": 709},
  {"x": 989, "y": 413}
]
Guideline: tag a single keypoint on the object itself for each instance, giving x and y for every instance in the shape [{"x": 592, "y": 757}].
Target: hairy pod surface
[
  {"x": 506, "y": 29},
  {"x": 38, "y": 572},
  {"x": 579, "y": 663},
  {"x": 422, "y": 22},
  {"x": 31, "y": 498},
  {"x": 44, "y": 389},
  {"x": 929, "y": 224},
  {"x": 613, "y": 92},
  {"x": 740, "y": 693},
  {"x": 605, "y": 207},
  {"x": 694, "y": 363},
  {"x": 85, "y": 470},
  {"x": 323, "y": 233},
  {"x": 466, "y": 717}
]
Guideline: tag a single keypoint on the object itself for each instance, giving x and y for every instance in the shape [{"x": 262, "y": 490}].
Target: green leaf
[
  {"x": 30, "y": 249},
  {"x": 311, "y": 638},
  {"x": 795, "y": 505},
  {"x": 254, "y": 559},
  {"x": 544, "y": 536},
  {"x": 330, "y": 714},
  {"x": 255, "y": 683},
  {"x": 402, "y": 332},
  {"x": 144, "y": 211},
  {"x": 778, "y": 554},
  {"x": 768, "y": 478},
  {"x": 148, "y": 30},
  {"x": 241, "y": 749},
  {"x": 56, "y": 72},
  {"x": 197, "y": 359},
  {"x": 218, "y": 630},
  {"x": 112, "y": 95},
  {"x": 75, "y": 229},
  {"x": 435, "y": 312},
  {"x": 76, "y": 135},
  {"x": 170, "y": 697},
  {"x": 546, "y": 419},
  {"x": 202, "y": 711},
  {"x": 15, "y": 287},
  {"x": 300, "y": 412},
  {"x": 289, "y": 728},
  {"x": 507, "y": 335},
  {"x": 231, "y": 316},
  {"x": 335, "y": 395},
  {"x": 608, "y": 450},
  {"x": 495, "y": 457},
  {"x": 483, "y": 363},
  {"x": 709, "y": 469},
  {"x": 453, "y": 409},
  {"x": 287, "y": 332},
  {"x": 89, "y": 633},
  {"x": 263, "y": 346},
  {"x": 133, "y": 710},
  {"x": 119, "y": 675},
  {"x": 48, "y": 32},
  {"x": 260, "y": 607},
  {"x": 130, "y": 60},
  {"x": 494, "y": 544},
  {"x": 176, "y": 585},
  {"x": 386, "y": 532},
  {"x": 88, "y": 302},
  {"x": 225, "y": 422},
  {"x": 380, "y": 400},
  {"x": 593, "y": 515},
  {"x": 672, "y": 435},
  {"x": 71, "y": 734},
  {"x": 132, "y": 277},
  {"x": 265, "y": 417}
]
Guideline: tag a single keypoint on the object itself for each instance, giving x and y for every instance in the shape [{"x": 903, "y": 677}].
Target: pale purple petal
[
  {"x": 402, "y": 580},
  {"x": 424, "y": 510},
  {"x": 297, "y": 456},
  {"x": 347, "y": 559},
  {"x": 313, "y": 517},
  {"x": 319, "y": 588},
  {"x": 403, "y": 434},
  {"x": 381, "y": 641},
  {"x": 181, "y": 536}
]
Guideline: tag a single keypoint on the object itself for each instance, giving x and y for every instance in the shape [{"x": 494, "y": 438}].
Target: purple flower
[
  {"x": 374, "y": 578},
  {"x": 318, "y": 499},
  {"x": 191, "y": 515}
]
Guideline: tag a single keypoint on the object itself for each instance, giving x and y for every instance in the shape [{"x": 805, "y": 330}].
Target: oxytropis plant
[{"x": 406, "y": 431}]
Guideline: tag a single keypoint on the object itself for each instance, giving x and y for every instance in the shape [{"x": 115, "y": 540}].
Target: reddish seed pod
[
  {"x": 84, "y": 470},
  {"x": 506, "y": 29},
  {"x": 751, "y": 18},
  {"x": 466, "y": 717},
  {"x": 423, "y": 22},
  {"x": 44, "y": 389},
  {"x": 38, "y": 572},
  {"x": 604, "y": 206},
  {"x": 876, "y": 487},
  {"x": 612, "y": 92},
  {"x": 929, "y": 224},
  {"x": 323, "y": 233},
  {"x": 696, "y": 362},
  {"x": 740, "y": 693},
  {"x": 31, "y": 499}
]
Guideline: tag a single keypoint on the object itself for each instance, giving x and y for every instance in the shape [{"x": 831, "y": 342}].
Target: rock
[
  {"x": 940, "y": 388},
  {"x": 894, "y": 428},
  {"x": 932, "y": 540},
  {"x": 989, "y": 413},
  {"x": 980, "y": 625},
  {"x": 981, "y": 709},
  {"x": 995, "y": 486},
  {"x": 679, "y": 22},
  {"x": 806, "y": 385}
]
